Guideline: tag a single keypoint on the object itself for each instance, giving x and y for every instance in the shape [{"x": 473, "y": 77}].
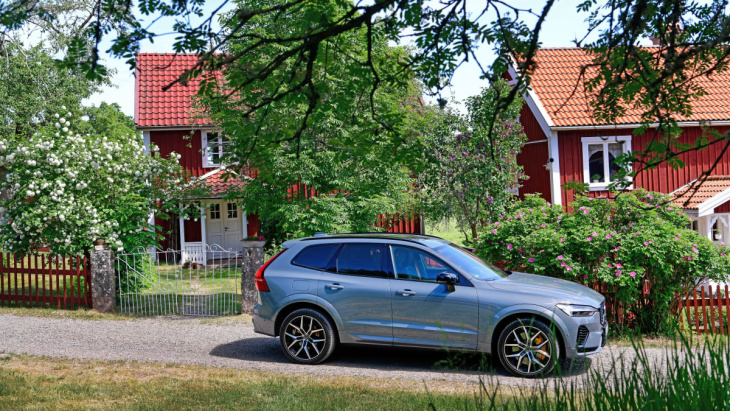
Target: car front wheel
[
  {"x": 527, "y": 348},
  {"x": 307, "y": 336}
]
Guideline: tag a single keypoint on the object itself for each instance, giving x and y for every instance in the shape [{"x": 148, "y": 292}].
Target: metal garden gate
[{"x": 160, "y": 283}]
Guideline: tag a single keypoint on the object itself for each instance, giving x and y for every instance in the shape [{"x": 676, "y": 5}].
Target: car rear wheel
[
  {"x": 307, "y": 336},
  {"x": 527, "y": 348}
]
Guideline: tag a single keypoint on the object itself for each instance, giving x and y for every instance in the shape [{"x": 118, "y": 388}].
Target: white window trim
[
  {"x": 204, "y": 144},
  {"x": 586, "y": 141}
]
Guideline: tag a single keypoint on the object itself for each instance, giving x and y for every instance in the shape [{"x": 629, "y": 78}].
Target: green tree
[
  {"x": 33, "y": 86},
  {"x": 469, "y": 175},
  {"x": 661, "y": 82},
  {"x": 320, "y": 134}
]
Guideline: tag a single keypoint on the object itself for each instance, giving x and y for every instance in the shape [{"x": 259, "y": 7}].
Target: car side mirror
[{"x": 448, "y": 278}]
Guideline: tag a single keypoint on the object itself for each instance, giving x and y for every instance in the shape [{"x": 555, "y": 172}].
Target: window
[
  {"x": 412, "y": 264},
  {"x": 316, "y": 256},
  {"x": 232, "y": 210},
  {"x": 215, "y": 211},
  {"x": 213, "y": 148},
  {"x": 361, "y": 259},
  {"x": 599, "y": 159}
]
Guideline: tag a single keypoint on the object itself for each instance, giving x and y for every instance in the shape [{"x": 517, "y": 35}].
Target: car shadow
[{"x": 403, "y": 359}]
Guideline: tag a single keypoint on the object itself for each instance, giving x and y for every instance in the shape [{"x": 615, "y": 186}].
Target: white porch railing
[{"x": 194, "y": 253}]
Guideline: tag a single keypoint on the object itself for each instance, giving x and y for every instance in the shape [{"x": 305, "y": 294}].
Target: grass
[
  {"x": 50, "y": 384},
  {"x": 446, "y": 230}
]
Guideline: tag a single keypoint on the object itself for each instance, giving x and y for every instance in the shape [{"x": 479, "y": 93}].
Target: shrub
[{"x": 620, "y": 244}]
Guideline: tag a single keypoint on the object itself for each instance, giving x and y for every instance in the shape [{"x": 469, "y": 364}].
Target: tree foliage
[
  {"x": 319, "y": 135},
  {"x": 32, "y": 87},
  {"x": 621, "y": 244},
  {"x": 661, "y": 82},
  {"x": 469, "y": 175}
]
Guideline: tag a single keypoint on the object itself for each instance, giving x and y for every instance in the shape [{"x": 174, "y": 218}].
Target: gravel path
[{"x": 237, "y": 346}]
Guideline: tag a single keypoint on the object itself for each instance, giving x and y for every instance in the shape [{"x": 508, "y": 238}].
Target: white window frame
[
  {"x": 605, "y": 141},
  {"x": 204, "y": 144}
]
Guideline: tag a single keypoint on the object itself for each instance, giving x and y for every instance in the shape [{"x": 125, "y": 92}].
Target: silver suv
[{"x": 421, "y": 291}]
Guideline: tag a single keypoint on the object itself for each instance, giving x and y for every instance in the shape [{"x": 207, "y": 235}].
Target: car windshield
[{"x": 469, "y": 263}]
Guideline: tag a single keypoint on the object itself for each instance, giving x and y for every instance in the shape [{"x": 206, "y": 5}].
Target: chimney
[{"x": 655, "y": 40}]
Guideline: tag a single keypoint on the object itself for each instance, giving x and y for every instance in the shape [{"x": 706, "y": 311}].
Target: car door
[
  {"x": 356, "y": 285},
  {"x": 426, "y": 313}
]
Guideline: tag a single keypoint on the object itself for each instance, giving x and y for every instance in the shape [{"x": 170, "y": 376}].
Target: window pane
[
  {"x": 411, "y": 264},
  {"x": 614, "y": 150},
  {"x": 215, "y": 211},
  {"x": 214, "y": 150},
  {"x": 232, "y": 210},
  {"x": 595, "y": 163},
  {"x": 361, "y": 259},
  {"x": 316, "y": 256}
]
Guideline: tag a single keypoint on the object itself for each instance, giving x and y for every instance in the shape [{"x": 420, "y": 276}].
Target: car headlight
[{"x": 577, "y": 310}]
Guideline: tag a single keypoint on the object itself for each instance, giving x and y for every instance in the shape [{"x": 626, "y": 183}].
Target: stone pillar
[
  {"x": 253, "y": 259},
  {"x": 103, "y": 292}
]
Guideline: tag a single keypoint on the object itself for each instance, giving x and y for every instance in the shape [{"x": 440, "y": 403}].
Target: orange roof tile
[
  {"x": 556, "y": 82},
  {"x": 219, "y": 186},
  {"x": 154, "y": 107},
  {"x": 713, "y": 186}
]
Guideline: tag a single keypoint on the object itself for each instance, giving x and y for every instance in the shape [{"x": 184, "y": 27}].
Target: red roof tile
[
  {"x": 556, "y": 82},
  {"x": 713, "y": 186},
  {"x": 154, "y": 107},
  {"x": 219, "y": 186}
]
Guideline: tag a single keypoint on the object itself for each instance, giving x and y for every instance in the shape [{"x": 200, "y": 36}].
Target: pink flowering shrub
[{"x": 621, "y": 244}]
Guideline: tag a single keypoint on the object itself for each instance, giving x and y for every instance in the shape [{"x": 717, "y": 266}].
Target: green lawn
[
  {"x": 446, "y": 230},
  {"x": 28, "y": 382}
]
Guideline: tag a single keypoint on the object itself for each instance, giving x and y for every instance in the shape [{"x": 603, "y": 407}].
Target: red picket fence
[
  {"x": 43, "y": 280},
  {"x": 707, "y": 312}
]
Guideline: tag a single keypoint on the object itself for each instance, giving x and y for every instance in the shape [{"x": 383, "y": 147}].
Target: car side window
[
  {"x": 412, "y": 264},
  {"x": 316, "y": 256},
  {"x": 361, "y": 259}
]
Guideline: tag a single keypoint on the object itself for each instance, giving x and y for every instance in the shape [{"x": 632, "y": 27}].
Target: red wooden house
[
  {"x": 565, "y": 143},
  {"x": 167, "y": 119}
]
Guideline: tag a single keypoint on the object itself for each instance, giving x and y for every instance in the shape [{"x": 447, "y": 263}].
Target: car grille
[
  {"x": 582, "y": 335},
  {"x": 602, "y": 312}
]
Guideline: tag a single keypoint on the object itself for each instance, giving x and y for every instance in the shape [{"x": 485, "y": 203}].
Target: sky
[{"x": 562, "y": 26}]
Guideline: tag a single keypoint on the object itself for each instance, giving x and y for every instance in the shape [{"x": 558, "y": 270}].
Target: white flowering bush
[{"x": 68, "y": 190}]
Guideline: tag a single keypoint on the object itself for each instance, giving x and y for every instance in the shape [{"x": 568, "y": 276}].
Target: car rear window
[{"x": 316, "y": 256}]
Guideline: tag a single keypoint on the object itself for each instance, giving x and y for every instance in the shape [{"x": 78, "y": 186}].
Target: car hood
[{"x": 548, "y": 287}]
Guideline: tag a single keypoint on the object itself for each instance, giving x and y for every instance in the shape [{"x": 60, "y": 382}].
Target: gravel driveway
[{"x": 236, "y": 345}]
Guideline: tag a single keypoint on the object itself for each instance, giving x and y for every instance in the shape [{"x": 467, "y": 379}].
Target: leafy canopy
[
  {"x": 319, "y": 137},
  {"x": 469, "y": 175}
]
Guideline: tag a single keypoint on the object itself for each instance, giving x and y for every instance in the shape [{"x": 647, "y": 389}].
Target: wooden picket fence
[
  {"x": 707, "y": 312},
  {"x": 43, "y": 280}
]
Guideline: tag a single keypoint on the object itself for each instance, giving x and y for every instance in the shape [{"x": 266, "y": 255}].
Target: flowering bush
[
  {"x": 68, "y": 190},
  {"x": 638, "y": 237}
]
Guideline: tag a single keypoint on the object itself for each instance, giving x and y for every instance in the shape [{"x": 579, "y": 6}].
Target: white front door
[{"x": 223, "y": 225}]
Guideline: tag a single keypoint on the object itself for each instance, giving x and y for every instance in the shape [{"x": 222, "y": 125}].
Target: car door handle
[
  {"x": 335, "y": 286},
  {"x": 407, "y": 293}
]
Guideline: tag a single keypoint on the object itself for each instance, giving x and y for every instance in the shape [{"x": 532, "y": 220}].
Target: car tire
[
  {"x": 527, "y": 348},
  {"x": 307, "y": 336}
]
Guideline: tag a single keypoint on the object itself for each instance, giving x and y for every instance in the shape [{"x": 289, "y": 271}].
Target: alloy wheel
[
  {"x": 304, "y": 337},
  {"x": 527, "y": 350}
]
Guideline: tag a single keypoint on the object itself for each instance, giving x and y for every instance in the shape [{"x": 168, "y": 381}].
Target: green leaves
[
  {"x": 471, "y": 160},
  {"x": 621, "y": 243}
]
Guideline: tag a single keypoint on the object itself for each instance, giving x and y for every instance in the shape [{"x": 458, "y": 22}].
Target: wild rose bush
[
  {"x": 67, "y": 190},
  {"x": 638, "y": 237}
]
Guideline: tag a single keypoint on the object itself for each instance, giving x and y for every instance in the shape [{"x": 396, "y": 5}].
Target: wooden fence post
[{"x": 103, "y": 292}]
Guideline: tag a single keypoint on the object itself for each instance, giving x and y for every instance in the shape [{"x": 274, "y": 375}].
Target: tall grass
[{"x": 685, "y": 376}]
